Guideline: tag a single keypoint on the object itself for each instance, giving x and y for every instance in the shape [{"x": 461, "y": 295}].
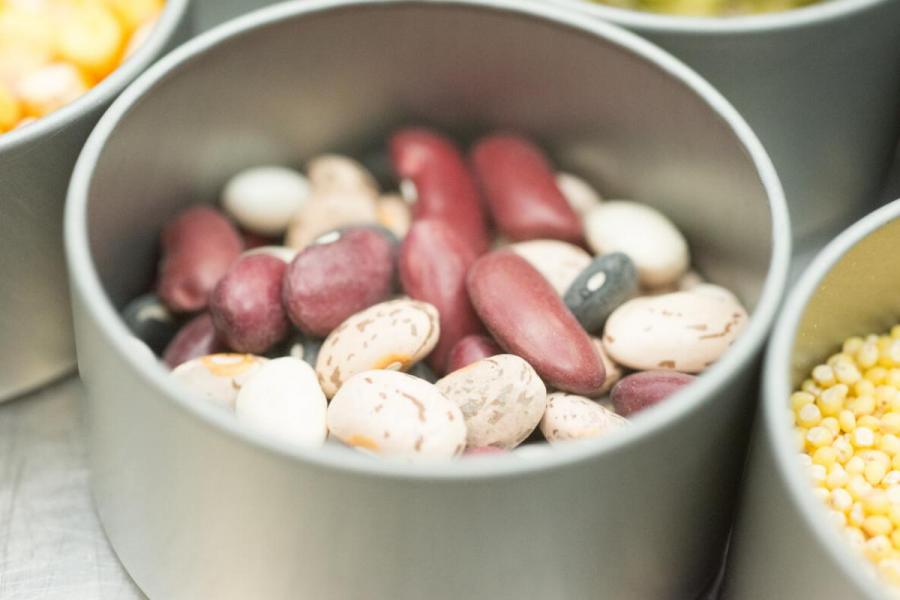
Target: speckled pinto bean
[
  {"x": 198, "y": 246},
  {"x": 393, "y": 335},
  {"x": 329, "y": 282},
  {"x": 196, "y": 338},
  {"x": 559, "y": 262},
  {"x": 501, "y": 398},
  {"x": 521, "y": 190},
  {"x": 434, "y": 261},
  {"x": 444, "y": 186},
  {"x": 396, "y": 415},
  {"x": 641, "y": 390},
  {"x": 469, "y": 349},
  {"x": 527, "y": 318},
  {"x": 218, "y": 378},
  {"x": 246, "y": 304},
  {"x": 569, "y": 417}
]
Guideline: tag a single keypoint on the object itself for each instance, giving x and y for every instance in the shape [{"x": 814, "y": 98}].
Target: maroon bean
[
  {"x": 641, "y": 390},
  {"x": 520, "y": 189},
  {"x": 434, "y": 261},
  {"x": 196, "y": 338},
  {"x": 485, "y": 451},
  {"x": 255, "y": 240},
  {"x": 445, "y": 187},
  {"x": 198, "y": 246},
  {"x": 328, "y": 282},
  {"x": 527, "y": 318},
  {"x": 246, "y": 304},
  {"x": 471, "y": 348}
]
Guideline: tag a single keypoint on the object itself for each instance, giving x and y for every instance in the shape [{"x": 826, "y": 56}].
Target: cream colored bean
[
  {"x": 283, "y": 400},
  {"x": 569, "y": 417},
  {"x": 682, "y": 331},
  {"x": 614, "y": 370},
  {"x": 393, "y": 212},
  {"x": 218, "y": 378},
  {"x": 501, "y": 398},
  {"x": 325, "y": 212},
  {"x": 648, "y": 237},
  {"x": 393, "y": 335},
  {"x": 264, "y": 199},
  {"x": 581, "y": 195},
  {"x": 336, "y": 174},
  {"x": 395, "y": 415},
  {"x": 559, "y": 262}
]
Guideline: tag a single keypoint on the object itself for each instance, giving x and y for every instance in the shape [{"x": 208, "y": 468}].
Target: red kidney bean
[
  {"x": 445, "y": 187},
  {"x": 520, "y": 188},
  {"x": 196, "y": 338},
  {"x": 198, "y": 246},
  {"x": 328, "y": 282},
  {"x": 641, "y": 390},
  {"x": 527, "y": 318},
  {"x": 246, "y": 304},
  {"x": 434, "y": 261},
  {"x": 469, "y": 349},
  {"x": 255, "y": 240},
  {"x": 484, "y": 451}
]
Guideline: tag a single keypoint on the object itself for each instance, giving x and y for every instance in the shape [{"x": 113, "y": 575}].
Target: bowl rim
[
  {"x": 777, "y": 387},
  {"x": 170, "y": 19},
  {"x": 86, "y": 284},
  {"x": 812, "y": 15}
]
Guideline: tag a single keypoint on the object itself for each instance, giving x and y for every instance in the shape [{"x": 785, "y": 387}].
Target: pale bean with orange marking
[
  {"x": 218, "y": 378},
  {"x": 501, "y": 397},
  {"x": 392, "y": 335},
  {"x": 395, "y": 415}
]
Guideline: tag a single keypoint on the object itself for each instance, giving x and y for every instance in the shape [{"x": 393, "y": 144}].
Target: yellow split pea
[
  {"x": 847, "y": 428},
  {"x": 53, "y": 51}
]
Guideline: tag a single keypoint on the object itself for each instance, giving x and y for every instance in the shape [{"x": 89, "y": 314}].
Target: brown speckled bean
[
  {"x": 521, "y": 191},
  {"x": 641, "y": 390},
  {"x": 328, "y": 282},
  {"x": 470, "y": 349},
  {"x": 569, "y": 417},
  {"x": 433, "y": 266},
  {"x": 246, "y": 304},
  {"x": 198, "y": 246},
  {"x": 527, "y": 318},
  {"x": 196, "y": 338}
]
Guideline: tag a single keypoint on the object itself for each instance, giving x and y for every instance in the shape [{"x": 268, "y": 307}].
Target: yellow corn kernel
[
  {"x": 846, "y": 372},
  {"x": 875, "y": 472},
  {"x": 855, "y": 536},
  {"x": 878, "y": 548},
  {"x": 892, "y": 480},
  {"x": 818, "y": 473},
  {"x": 825, "y": 456},
  {"x": 800, "y": 439},
  {"x": 801, "y": 399},
  {"x": 885, "y": 358},
  {"x": 855, "y": 466},
  {"x": 876, "y": 375},
  {"x": 889, "y": 569},
  {"x": 10, "y": 113},
  {"x": 852, "y": 345},
  {"x": 831, "y": 401},
  {"x": 863, "y": 387},
  {"x": 847, "y": 420},
  {"x": 894, "y": 514},
  {"x": 861, "y": 406},
  {"x": 895, "y": 462},
  {"x": 133, "y": 13},
  {"x": 844, "y": 449},
  {"x": 839, "y": 358},
  {"x": 862, "y": 437},
  {"x": 50, "y": 88},
  {"x": 822, "y": 493},
  {"x": 810, "y": 387},
  {"x": 857, "y": 515},
  {"x": 809, "y": 415},
  {"x": 869, "y": 422},
  {"x": 877, "y": 525},
  {"x": 895, "y": 332},
  {"x": 893, "y": 378},
  {"x": 889, "y": 444},
  {"x": 858, "y": 487},
  {"x": 885, "y": 396},
  {"x": 823, "y": 375},
  {"x": 890, "y": 422},
  {"x": 841, "y": 500},
  {"x": 876, "y": 503},
  {"x": 91, "y": 38},
  {"x": 837, "y": 476},
  {"x": 867, "y": 356},
  {"x": 819, "y": 436},
  {"x": 832, "y": 425},
  {"x": 26, "y": 29},
  {"x": 840, "y": 518}
]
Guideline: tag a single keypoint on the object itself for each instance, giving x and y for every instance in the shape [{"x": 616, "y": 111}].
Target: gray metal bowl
[
  {"x": 198, "y": 507},
  {"x": 820, "y": 85},
  {"x": 35, "y": 164},
  {"x": 785, "y": 545}
]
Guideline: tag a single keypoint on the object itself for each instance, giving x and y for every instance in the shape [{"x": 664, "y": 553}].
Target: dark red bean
[
  {"x": 469, "y": 349},
  {"x": 527, "y": 318},
  {"x": 255, "y": 240},
  {"x": 198, "y": 337},
  {"x": 246, "y": 304},
  {"x": 484, "y": 451},
  {"x": 520, "y": 189},
  {"x": 198, "y": 246},
  {"x": 328, "y": 282},
  {"x": 434, "y": 261},
  {"x": 641, "y": 390},
  {"x": 444, "y": 184}
]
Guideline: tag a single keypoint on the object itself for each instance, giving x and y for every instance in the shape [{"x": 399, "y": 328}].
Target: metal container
[
  {"x": 820, "y": 85},
  {"x": 208, "y": 13},
  {"x": 198, "y": 507},
  {"x": 35, "y": 164},
  {"x": 785, "y": 544}
]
